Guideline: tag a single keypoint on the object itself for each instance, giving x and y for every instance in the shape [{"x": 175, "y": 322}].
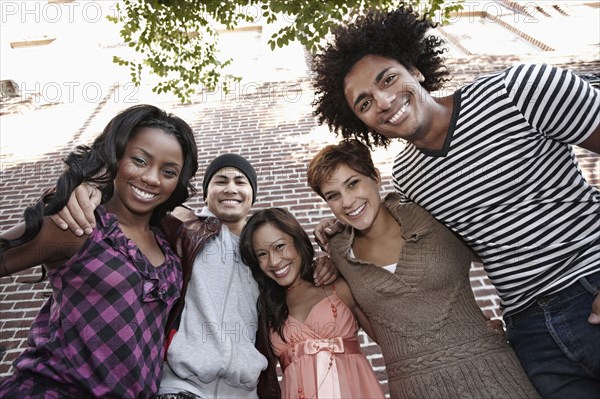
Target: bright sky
[{"x": 76, "y": 69}]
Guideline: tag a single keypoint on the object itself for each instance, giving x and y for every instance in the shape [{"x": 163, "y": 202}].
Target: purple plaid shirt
[{"x": 103, "y": 328}]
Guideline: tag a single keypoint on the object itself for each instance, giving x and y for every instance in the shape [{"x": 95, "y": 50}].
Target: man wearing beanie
[{"x": 211, "y": 351}]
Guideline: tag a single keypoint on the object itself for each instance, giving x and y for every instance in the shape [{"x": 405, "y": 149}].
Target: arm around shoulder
[
  {"x": 51, "y": 247},
  {"x": 183, "y": 213},
  {"x": 173, "y": 222}
]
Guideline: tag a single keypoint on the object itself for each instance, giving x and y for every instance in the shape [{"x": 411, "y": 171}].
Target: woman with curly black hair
[
  {"x": 101, "y": 333},
  {"x": 493, "y": 162}
]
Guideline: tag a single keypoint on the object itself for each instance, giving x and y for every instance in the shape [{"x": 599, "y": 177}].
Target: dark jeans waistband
[{"x": 585, "y": 284}]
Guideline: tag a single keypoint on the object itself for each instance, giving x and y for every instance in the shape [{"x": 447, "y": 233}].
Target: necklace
[
  {"x": 291, "y": 287},
  {"x": 329, "y": 348}
]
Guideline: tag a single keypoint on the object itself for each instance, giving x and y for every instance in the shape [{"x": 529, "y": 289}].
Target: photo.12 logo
[
  {"x": 72, "y": 92},
  {"x": 54, "y": 12}
]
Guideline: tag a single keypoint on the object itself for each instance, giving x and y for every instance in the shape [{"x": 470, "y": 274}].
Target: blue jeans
[{"x": 558, "y": 348}]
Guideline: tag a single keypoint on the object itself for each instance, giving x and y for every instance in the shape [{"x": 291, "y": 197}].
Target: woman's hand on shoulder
[
  {"x": 325, "y": 272},
  {"x": 78, "y": 215},
  {"x": 326, "y": 229},
  {"x": 184, "y": 214}
]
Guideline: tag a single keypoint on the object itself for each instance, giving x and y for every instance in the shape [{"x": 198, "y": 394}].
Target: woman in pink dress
[{"x": 313, "y": 330}]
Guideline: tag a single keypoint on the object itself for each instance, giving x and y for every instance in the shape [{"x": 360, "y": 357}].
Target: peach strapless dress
[{"x": 322, "y": 356}]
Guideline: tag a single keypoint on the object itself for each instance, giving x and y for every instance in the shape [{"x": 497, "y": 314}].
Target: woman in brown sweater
[{"x": 410, "y": 275}]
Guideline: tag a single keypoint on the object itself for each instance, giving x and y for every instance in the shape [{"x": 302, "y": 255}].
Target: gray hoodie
[{"x": 213, "y": 354}]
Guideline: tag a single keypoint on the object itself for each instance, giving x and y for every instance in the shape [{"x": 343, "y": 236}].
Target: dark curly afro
[{"x": 400, "y": 35}]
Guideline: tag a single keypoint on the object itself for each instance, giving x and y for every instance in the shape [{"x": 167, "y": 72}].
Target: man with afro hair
[{"x": 494, "y": 162}]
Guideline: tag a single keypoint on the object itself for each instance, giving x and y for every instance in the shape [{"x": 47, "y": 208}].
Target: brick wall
[{"x": 272, "y": 126}]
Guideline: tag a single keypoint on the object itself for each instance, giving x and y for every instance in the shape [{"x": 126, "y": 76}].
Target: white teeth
[
  {"x": 143, "y": 194},
  {"x": 399, "y": 113},
  {"x": 281, "y": 271},
  {"x": 230, "y": 201},
  {"x": 357, "y": 211}
]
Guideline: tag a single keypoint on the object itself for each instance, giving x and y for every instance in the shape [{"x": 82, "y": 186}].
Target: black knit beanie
[{"x": 235, "y": 161}]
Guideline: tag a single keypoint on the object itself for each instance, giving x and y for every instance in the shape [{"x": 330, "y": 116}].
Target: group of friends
[{"x": 151, "y": 299}]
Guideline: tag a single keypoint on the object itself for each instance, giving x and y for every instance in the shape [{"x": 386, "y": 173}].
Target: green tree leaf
[{"x": 178, "y": 40}]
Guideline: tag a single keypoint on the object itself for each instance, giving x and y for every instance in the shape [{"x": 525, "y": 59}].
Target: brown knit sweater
[{"x": 433, "y": 335}]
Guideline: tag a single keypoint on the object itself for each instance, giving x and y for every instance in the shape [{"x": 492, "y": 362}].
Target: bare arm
[
  {"x": 343, "y": 291},
  {"x": 184, "y": 214},
  {"x": 78, "y": 215},
  {"x": 325, "y": 271},
  {"x": 51, "y": 247},
  {"x": 592, "y": 143}
]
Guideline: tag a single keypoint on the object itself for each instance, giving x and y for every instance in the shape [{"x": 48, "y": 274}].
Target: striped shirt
[{"x": 508, "y": 183}]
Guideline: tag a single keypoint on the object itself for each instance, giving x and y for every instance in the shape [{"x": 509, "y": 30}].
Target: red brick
[
  {"x": 11, "y": 345},
  {"x": 28, "y": 304},
  {"x": 485, "y": 291},
  {"x": 274, "y": 145},
  {"x": 377, "y": 362},
  {"x": 371, "y": 350}
]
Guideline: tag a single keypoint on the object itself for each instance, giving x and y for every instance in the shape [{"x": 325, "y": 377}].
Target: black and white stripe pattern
[{"x": 508, "y": 182}]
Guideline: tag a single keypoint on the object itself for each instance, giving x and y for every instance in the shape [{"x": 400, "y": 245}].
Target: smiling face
[
  {"x": 277, "y": 255},
  {"x": 388, "y": 98},
  {"x": 353, "y": 197},
  {"x": 229, "y": 197},
  {"x": 147, "y": 172}
]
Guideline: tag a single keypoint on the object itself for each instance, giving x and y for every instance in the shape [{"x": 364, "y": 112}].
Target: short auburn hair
[{"x": 351, "y": 153}]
